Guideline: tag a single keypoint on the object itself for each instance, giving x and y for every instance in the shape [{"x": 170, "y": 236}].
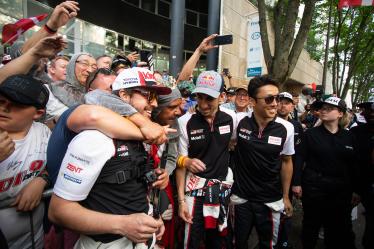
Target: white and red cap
[{"x": 138, "y": 77}]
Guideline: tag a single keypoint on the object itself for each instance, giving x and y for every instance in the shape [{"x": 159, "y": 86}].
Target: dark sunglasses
[
  {"x": 92, "y": 76},
  {"x": 149, "y": 95},
  {"x": 270, "y": 99}
]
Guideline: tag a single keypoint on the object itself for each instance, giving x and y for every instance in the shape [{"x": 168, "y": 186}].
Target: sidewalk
[{"x": 295, "y": 239}]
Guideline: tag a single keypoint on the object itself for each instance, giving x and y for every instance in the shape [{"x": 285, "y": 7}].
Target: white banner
[{"x": 254, "y": 52}]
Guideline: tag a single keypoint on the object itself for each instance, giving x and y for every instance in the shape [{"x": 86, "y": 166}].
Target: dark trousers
[
  {"x": 196, "y": 232},
  {"x": 258, "y": 215},
  {"x": 334, "y": 214},
  {"x": 368, "y": 238},
  {"x": 284, "y": 230}
]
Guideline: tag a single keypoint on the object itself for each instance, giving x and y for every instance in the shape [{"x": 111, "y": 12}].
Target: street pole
[
  {"x": 214, "y": 10},
  {"x": 178, "y": 11}
]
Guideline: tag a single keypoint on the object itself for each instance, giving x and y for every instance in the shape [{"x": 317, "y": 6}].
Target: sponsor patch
[
  {"x": 275, "y": 140},
  {"x": 198, "y": 137},
  {"x": 72, "y": 179},
  {"x": 349, "y": 147},
  {"x": 198, "y": 131},
  {"x": 74, "y": 168},
  {"x": 245, "y": 131},
  {"x": 224, "y": 129}
]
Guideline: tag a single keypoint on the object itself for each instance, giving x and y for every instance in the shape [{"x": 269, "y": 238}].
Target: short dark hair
[
  {"x": 102, "y": 56},
  {"x": 92, "y": 76},
  {"x": 260, "y": 81}
]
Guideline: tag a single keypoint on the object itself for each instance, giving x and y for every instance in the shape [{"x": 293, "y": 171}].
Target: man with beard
[
  {"x": 263, "y": 167},
  {"x": 365, "y": 149},
  {"x": 97, "y": 169}
]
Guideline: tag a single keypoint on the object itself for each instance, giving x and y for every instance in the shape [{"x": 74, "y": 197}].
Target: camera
[{"x": 150, "y": 177}]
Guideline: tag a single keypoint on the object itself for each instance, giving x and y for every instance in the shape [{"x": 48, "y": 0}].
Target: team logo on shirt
[
  {"x": 72, "y": 179},
  {"x": 244, "y": 133},
  {"x": 198, "y": 131},
  {"x": 74, "y": 168},
  {"x": 34, "y": 170},
  {"x": 349, "y": 147},
  {"x": 123, "y": 151}
]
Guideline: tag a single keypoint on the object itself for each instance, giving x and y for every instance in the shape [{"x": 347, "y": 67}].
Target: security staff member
[
  {"x": 328, "y": 178},
  {"x": 365, "y": 149},
  {"x": 285, "y": 108},
  {"x": 263, "y": 167},
  {"x": 203, "y": 147}
]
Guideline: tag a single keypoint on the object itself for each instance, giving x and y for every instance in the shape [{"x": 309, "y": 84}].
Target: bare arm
[
  {"x": 204, "y": 46},
  {"x": 61, "y": 14},
  {"x": 286, "y": 176},
  {"x": 47, "y": 47},
  {"x": 86, "y": 117},
  {"x": 180, "y": 174},
  {"x": 136, "y": 227}
]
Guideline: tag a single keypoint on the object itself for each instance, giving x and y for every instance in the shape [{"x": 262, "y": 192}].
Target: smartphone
[
  {"x": 144, "y": 55},
  {"x": 223, "y": 40},
  {"x": 225, "y": 71}
]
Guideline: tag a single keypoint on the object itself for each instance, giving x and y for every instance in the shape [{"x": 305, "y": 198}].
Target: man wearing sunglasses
[
  {"x": 263, "y": 167},
  {"x": 102, "y": 179}
]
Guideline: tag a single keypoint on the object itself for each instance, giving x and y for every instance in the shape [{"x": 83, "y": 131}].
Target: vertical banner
[{"x": 254, "y": 52}]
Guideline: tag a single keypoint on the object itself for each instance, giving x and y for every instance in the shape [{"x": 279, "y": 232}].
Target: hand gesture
[
  {"x": 207, "y": 44},
  {"x": 134, "y": 56},
  {"x": 62, "y": 13},
  {"x": 168, "y": 213},
  {"x": 162, "y": 179},
  {"x": 195, "y": 165},
  {"x": 29, "y": 197},
  {"x": 7, "y": 145},
  {"x": 48, "y": 47},
  {"x": 140, "y": 227}
]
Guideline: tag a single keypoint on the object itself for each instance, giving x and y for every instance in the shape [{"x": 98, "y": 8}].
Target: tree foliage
[
  {"x": 351, "y": 54},
  {"x": 288, "y": 45}
]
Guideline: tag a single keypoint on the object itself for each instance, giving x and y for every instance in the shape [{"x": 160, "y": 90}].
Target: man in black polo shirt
[
  {"x": 263, "y": 167},
  {"x": 204, "y": 156},
  {"x": 365, "y": 148}
]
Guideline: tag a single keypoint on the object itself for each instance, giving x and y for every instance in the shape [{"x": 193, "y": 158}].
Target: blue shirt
[{"x": 58, "y": 144}]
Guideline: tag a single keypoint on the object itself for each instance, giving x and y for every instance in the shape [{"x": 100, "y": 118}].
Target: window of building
[
  {"x": 133, "y": 2},
  {"x": 149, "y": 5},
  {"x": 203, "y": 20},
  {"x": 164, "y": 8},
  {"x": 191, "y": 17}
]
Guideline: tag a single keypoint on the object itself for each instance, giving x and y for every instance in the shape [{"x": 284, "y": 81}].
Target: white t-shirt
[
  {"x": 86, "y": 155},
  {"x": 25, "y": 163}
]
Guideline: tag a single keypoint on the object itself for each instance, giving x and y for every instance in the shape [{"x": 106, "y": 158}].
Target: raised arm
[
  {"x": 60, "y": 16},
  {"x": 47, "y": 47},
  {"x": 188, "y": 68}
]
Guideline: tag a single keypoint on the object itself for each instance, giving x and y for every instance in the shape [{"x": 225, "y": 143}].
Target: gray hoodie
[{"x": 70, "y": 92}]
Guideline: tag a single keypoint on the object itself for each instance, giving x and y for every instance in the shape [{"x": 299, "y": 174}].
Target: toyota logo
[{"x": 255, "y": 35}]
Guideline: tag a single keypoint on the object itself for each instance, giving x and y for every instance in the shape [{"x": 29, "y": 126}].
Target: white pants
[{"x": 86, "y": 242}]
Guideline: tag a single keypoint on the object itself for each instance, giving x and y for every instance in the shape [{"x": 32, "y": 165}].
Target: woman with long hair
[{"x": 328, "y": 179}]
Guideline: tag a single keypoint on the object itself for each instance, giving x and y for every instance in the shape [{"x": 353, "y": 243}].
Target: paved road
[{"x": 358, "y": 228}]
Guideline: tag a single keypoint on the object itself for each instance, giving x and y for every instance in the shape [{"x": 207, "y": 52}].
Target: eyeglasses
[
  {"x": 87, "y": 65},
  {"x": 149, "y": 95},
  {"x": 92, "y": 76},
  {"x": 270, "y": 99}
]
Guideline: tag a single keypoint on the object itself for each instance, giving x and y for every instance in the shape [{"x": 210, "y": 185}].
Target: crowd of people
[{"x": 105, "y": 153}]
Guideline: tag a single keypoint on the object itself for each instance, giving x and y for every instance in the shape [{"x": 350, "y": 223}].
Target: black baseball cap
[
  {"x": 334, "y": 101},
  {"x": 231, "y": 90},
  {"x": 26, "y": 90}
]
